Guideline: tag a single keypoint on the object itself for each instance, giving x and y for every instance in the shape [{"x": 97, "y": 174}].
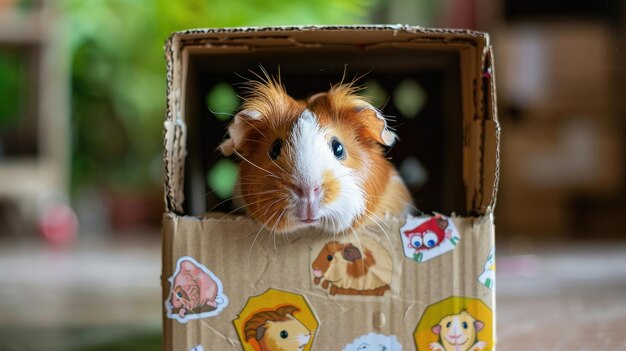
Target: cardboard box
[{"x": 252, "y": 286}]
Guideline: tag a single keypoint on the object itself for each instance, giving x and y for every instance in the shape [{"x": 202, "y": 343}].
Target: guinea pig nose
[{"x": 306, "y": 190}]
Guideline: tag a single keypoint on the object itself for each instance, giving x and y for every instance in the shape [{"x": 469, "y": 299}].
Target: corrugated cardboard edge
[{"x": 483, "y": 133}]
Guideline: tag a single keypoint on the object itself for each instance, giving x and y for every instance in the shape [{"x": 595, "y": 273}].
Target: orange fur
[
  {"x": 361, "y": 266},
  {"x": 331, "y": 188},
  {"x": 359, "y": 129}
]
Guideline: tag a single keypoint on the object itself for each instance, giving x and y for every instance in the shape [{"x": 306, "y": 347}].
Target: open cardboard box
[{"x": 455, "y": 137}]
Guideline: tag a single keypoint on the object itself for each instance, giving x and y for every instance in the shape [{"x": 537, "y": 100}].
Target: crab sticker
[
  {"x": 195, "y": 292},
  {"x": 488, "y": 276},
  {"x": 455, "y": 324},
  {"x": 426, "y": 237},
  {"x": 374, "y": 342},
  {"x": 276, "y": 320}
]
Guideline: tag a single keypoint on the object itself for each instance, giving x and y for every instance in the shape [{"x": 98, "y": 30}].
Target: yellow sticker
[
  {"x": 276, "y": 320},
  {"x": 455, "y": 324}
]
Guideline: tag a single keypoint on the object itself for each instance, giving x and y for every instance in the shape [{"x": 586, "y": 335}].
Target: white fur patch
[{"x": 312, "y": 158}]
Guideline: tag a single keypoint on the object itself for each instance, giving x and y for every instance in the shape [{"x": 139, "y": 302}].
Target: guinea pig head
[{"x": 309, "y": 163}]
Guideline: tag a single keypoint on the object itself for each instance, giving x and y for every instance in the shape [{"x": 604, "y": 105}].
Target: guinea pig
[
  {"x": 457, "y": 332},
  {"x": 277, "y": 330},
  {"x": 314, "y": 163},
  {"x": 192, "y": 290},
  {"x": 353, "y": 268}
]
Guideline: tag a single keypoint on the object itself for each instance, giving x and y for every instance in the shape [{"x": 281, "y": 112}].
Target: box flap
[{"x": 480, "y": 161}]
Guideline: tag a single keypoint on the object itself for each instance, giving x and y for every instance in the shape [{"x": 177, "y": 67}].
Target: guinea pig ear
[
  {"x": 237, "y": 131},
  {"x": 375, "y": 124},
  {"x": 351, "y": 253},
  {"x": 260, "y": 332},
  {"x": 436, "y": 329},
  {"x": 479, "y": 325}
]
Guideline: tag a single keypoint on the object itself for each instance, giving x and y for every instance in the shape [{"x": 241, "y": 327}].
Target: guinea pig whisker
[
  {"x": 272, "y": 204},
  {"x": 399, "y": 200},
  {"x": 252, "y": 163},
  {"x": 238, "y": 196},
  {"x": 356, "y": 236},
  {"x": 379, "y": 226},
  {"x": 235, "y": 210},
  {"x": 256, "y": 236},
  {"x": 276, "y": 164},
  {"x": 275, "y": 234},
  {"x": 252, "y": 125}
]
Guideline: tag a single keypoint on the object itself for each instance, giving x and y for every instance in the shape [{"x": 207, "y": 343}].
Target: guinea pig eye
[
  {"x": 329, "y": 257},
  {"x": 416, "y": 241},
  {"x": 275, "y": 149},
  {"x": 338, "y": 150},
  {"x": 284, "y": 334},
  {"x": 431, "y": 239},
  {"x": 464, "y": 325},
  {"x": 448, "y": 324},
  {"x": 179, "y": 294}
]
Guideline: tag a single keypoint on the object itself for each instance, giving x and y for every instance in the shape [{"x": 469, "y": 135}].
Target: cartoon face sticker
[
  {"x": 457, "y": 332},
  {"x": 426, "y": 237},
  {"x": 195, "y": 292},
  {"x": 276, "y": 320},
  {"x": 278, "y": 330},
  {"x": 374, "y": 342},
  {"x": 455, "y": 324},
  {"x": 488, "y": 276}
]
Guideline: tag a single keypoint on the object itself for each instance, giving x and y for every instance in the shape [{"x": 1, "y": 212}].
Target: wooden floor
[{"x": 104, "y": 295}]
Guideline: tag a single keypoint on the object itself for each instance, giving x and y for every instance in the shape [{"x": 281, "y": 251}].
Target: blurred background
[{"x": 82, "y": 105}]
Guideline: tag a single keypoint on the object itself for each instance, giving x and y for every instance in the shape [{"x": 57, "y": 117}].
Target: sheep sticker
[
  {"x": 457, "y": 332},
  {"x": 456, "y": 323},
  {"x": 358, "y": 267},
  {"x": 374, "y": 342}
]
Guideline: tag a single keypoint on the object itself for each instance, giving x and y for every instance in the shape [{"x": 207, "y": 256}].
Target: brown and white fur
[
  {"x": 360, "y": 268},
  {"x": 457, "y": 332},
  {"x": 307, "y": 185},
  {"x": 277, "y": 330}
]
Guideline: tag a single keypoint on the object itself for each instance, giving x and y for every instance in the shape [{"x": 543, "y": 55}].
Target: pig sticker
[
  {"x": 195, "y": 292},
  {"x": 427, "y": 237}
]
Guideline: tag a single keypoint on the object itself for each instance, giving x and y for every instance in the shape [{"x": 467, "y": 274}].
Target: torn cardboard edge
[{"x": 480, "y": 152}]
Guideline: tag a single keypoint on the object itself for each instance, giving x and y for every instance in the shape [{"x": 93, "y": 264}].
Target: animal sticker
[
  {"x": 457, "y": 332},
  {"x": 374, "y": 342},
  {"x": 276, "y": 321},
  {"x": 455, "y": 324},
  {"x": 358, "y": 267},
  {"x": 427, "y": 237},
  {"x": 195, "y": 292},
  {"x": 488, "y": 276},
  {"x": 197, "y": 348}
]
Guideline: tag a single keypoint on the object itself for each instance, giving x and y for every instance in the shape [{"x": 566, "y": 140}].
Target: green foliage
[
  {"x": 12, "y": 78},
  {"x": 118, "y": 71}
]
